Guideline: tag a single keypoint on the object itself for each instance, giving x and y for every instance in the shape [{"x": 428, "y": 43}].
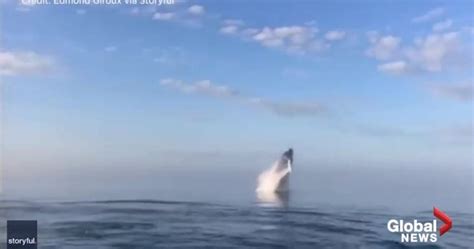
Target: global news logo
[{"x": 421, "y": 232}]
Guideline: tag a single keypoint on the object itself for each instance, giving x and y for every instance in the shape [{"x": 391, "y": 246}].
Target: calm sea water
[
  {"x": 220, "y": 209},
  {"x": 131, "y": 224}
]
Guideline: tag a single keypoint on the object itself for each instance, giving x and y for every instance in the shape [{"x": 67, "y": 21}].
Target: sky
[{"x": 235, "y": 83}]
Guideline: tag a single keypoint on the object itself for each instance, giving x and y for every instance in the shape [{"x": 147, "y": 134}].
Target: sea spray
[{"x": 276, "y": 178}]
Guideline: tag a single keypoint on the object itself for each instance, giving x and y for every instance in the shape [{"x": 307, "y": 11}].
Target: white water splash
[{"x": 276, "y": 178}]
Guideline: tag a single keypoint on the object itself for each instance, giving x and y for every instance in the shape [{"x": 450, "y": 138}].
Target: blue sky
[{"x": 370, "y": 83}]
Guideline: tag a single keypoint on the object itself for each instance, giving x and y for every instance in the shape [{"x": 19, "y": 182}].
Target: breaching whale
[{"x": 277, "y": 178}]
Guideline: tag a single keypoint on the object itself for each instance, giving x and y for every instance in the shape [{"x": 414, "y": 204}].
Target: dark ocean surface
[
  {"x": 219, "y": 208},
  {"x": 270, "y": 222}
]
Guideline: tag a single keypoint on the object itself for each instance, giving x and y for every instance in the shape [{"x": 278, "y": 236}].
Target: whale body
[{"x": 277, "y": 177}]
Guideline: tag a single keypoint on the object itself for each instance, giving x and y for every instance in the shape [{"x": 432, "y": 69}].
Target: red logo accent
[{"x": 448, "y": 223}]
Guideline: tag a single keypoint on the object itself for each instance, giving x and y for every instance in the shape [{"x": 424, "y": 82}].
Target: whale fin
[{"x": 289, "y": 155}]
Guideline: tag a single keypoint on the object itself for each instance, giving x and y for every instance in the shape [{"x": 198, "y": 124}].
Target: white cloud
[
  {"x": 383, "y": 48},
  {"x": 460, "y": 92},
  {"x": 207, "y": 88},
  {"x": 204, "y": 87},
  {"x": 194, "y": 16},
  {"x": 441, "y": 26},
  {"x": 289, "y": 109},
  {"x": 430, "y": 15},
  {"x": 292, "y": 39},
  {"x": 249, "y": 32},
  {"x": 295, "y": 39},
  {"x": 230, "y": 29},
  {"x": 436, "y": 51},
  {"x": 196, "y": 10},
  {"x": 25, "y": 63},
  {"x": 335, "y": 35},
  {"x": 164, "y": 16},
  {"x": 395, "y": 67},
  {"x": 171, "y": 56},
  {"x": 433, "y": 53},
  {"x": 21, "y": 6},
  {"x": 311, "y": 23},
  {"x": 231, "y": 26},
  {"x": 110, "y": 48}
]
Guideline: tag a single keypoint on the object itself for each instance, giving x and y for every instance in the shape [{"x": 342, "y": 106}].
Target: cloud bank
[
  {"x": 461, "y": 92},
  {"x": 25, "y": 63},
  {"x": 433, "y": 53},
  {"x": 293, "y": 39},
  {"x": 210, "y": 89}
]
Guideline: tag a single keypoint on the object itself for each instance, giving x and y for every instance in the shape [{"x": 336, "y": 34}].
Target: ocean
[
  {"x": 132, "y": 224},
  {"x": 212, "y": 210}
]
